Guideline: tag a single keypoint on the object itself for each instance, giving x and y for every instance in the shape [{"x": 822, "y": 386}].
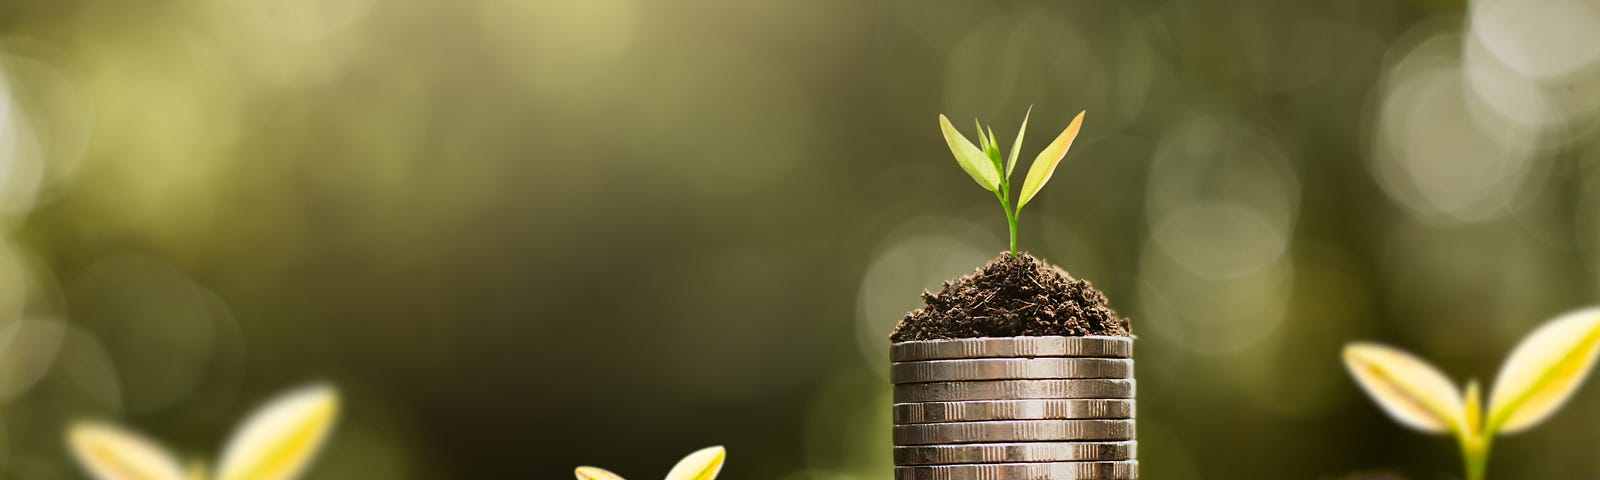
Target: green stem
[
  {"x": 1011, "y": 215},
  {"x": 1475, "y": 455},
  {"x": 1013, "y": 233}
]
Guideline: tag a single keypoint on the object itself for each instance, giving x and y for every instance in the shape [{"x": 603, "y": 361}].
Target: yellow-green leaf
[
  {"x": 983, "y": 141},
  {"x": 111, "y": 453},
  {"x": 280, "y": 439},
  {"x": 700, "y": 465},
  {"x": 993, "y": 151},
  {"x": 1413, "y": 392},
  {"x": 1045, "y": 164},
  {"x": 592, "y": 473},
  {"x": 972, "y": 160},
  {"x": 1016, "y": 146},
  {"x": 1544, "y": 371}
]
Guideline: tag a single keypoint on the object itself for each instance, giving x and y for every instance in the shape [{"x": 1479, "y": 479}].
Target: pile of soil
[{"x": 1012, "y": 296}]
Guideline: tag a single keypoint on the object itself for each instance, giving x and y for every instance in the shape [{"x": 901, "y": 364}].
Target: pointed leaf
[
  {"x": 1045, "y": 164},
  {"x": 983, "y": 141},
  {"x": 1544, "y": 371},
  {"x": 1473, "y": 419},
  {"x": 972, "y": 159},
  {"x": 1408, "y": 388},
  {"x": 1016, "y": 146},
  {"x": 592, "y": 473},
  {"x": 111, "y": 453},
  {"x": 281, "y": 438},
  {"x": 700, "y": 465},
  {"x": 993, "y": 151}
]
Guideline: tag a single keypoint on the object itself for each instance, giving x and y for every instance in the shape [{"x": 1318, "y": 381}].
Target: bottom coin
[
  {"x": 1023, "y": 471},
  {"x": 1015, "y": 453}
]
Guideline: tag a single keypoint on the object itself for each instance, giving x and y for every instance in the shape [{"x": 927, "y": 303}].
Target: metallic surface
[
  {"x": 982, "y": 410},
  {"x": 1013, "y": 390},
  {"x": 1009, "y": 369},
  {"x": 1015, "y": 453},
  {"x": 1104, "y": 347},
  {"x": 1013, "y": 431},
  {"x": 1128, "y": 470}
]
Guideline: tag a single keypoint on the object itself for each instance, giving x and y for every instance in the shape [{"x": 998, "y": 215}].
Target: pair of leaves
[
  {"x": 703, "y": 464},
  {"x": 983, "y": 162},
  {"x": 276, "y": 442},
  {"x": 1539, "y": 376}
]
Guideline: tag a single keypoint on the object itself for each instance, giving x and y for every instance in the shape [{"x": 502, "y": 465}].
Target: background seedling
[
  {"x": 993, "y": 173},
  {"x": 1539, "y": 376},
  {"x": 703, "y": 464},
  {"x": 276, "y": 442}
]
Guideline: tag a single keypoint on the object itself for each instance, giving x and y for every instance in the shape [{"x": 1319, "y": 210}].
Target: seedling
[
  {"x": 984, "y": 164},
  {"x": 1539, "y": 376},
  {"x": 275, "y": 443},
  {"x": 703, "y": 464}
]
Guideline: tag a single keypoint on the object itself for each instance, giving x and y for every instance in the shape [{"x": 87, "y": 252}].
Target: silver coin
[
  {"x": 1012, "y": 390},
  {"x": 1101, "y": 346},
  {"x": 1015, "y": 453},
  {"x": 977, "y": 411},
  {"x": 1013, "y": 431},
  {"x": 1009, "y": 369},
  {"x": 1128, "y": 470}
]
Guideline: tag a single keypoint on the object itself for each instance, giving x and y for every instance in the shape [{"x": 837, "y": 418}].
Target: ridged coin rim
[
  {"x": 1013, "y": 390},
  {"x": 1128, "y": 470},
  {"x": 1036, "y": 409},
  {"x": 1011, "y": 431},
  {"x": 1028, "y": 452},
  {"x": 969, "y": 369},
  {"x": 998, "y": 347}
]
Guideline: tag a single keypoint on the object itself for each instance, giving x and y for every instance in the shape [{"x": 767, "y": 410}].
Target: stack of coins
[{"x": 1014, "y": 408}]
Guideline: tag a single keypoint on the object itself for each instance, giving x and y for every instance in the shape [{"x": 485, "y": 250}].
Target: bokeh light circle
[
  {"x": 1434, "y": 156},
  {"x": 918, "y": 255}
]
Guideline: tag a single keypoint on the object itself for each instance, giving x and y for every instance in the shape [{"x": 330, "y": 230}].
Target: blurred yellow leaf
[
  {"x": 1472, "y": 419},
  {"x": 1544, "y": 371},
  {"x": 111, "y": 453},
  {"x": 1045, "y": 164},
  {"x": 592, "y": 473},
  {"x": 972, "y": 160},
  {"x": 1413, "y": 392},
  {"x": 700, "y": 465},
  {"x": 281, "y": 438}
]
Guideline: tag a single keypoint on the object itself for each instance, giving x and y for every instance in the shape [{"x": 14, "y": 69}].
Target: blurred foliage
[{"x": 528, "y": 235}]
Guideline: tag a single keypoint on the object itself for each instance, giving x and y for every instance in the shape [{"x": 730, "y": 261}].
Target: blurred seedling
[
  {"x": 984, "y": 163},
  {"x": 276, "y": 442},
  {"x": 1539, "y": 376},
  {"x": 703, "y": 464}
]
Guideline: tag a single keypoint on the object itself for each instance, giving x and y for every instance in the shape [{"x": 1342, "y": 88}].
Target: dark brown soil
[{"x": 1012, "y": 296}]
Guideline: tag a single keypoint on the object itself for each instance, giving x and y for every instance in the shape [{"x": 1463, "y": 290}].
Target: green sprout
[
  {"x": 703, "y": 464},
  {"x": 1539, "y": 376},
  {"x": 993, "y": 173},
  {"x": 277, "y": 442}
]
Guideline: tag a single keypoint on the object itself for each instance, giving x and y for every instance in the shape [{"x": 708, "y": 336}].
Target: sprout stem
[
  {"x": 1475, "y": 454},
  {"x": 1011, "y": 214},
  {"x": 1013, "y": 233}
]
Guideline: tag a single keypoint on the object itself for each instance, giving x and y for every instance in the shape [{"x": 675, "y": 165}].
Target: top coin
[{"x": 1002, "y": 347}]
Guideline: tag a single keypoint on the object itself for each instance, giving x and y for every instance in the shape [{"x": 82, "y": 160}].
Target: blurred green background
[{"x": 528, "y": 235}]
